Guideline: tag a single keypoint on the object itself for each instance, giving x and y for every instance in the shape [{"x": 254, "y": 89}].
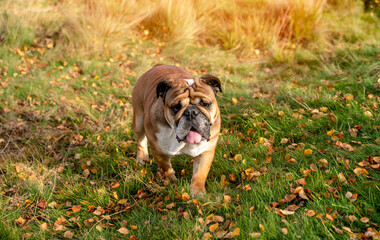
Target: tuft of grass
[{"x": 287, "y": 30}]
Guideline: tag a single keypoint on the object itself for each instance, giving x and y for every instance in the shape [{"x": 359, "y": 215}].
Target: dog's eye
[
  {"x": 176, "y": 108},
  {"x": 205, "y": 104}
]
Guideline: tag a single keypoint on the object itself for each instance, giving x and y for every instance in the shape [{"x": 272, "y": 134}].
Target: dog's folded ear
[
  {"x": 213, "y": 81},
  {"x": 162, "y": 88}
]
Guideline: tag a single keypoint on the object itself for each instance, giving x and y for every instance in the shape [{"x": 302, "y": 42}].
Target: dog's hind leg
[{"x": 142, "y": 141}]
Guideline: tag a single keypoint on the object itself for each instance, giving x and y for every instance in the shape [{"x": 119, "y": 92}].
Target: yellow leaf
[
  {"x": 134, "y": 227},
  {"x": 360, "y": 171},
  {"x": 213, "y": 227},
  {"x": 185, "y": 197},
  {"x": 238, "y": 157},
  {"x": 331, "y": 132},
  {"x": 307, "y": 152},
  {"x": 262, "y": 227},
  {"x": 234, "y": 101},
  {"x": 236, "y": 232}
]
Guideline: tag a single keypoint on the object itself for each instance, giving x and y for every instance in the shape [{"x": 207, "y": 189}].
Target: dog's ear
[
  {"x": 213, "y": 81},
  {"x": 162, "y": 88}
]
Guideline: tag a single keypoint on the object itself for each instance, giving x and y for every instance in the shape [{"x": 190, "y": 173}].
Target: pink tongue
[{"x": 193, "y": 137}]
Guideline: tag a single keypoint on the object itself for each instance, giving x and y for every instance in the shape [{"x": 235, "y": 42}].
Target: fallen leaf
[
  {"x": 301, "y": 181},
  {"x": 255, "y": 235},
  {"x": 342, "y": 178},
  {"x": 337, "y": 230},
  {"x": 364, "y": 219},
  {"x": 213, "y": 227},
  {"x": 170, "y": 205},
  {"x": 42, "y": 204},
  {"x": 68, "y": 234},
  {"x": 76, "y": 208},
  {"x": 133, "y": 227},
  {"x": 310, "y": 213},
  {"x": 123, "y": 231},
  {"x": 360, "y": 171},
  {"x": 43, "y": 226},
  {"x": 20, "y": 221},
  {"x": 284, "y": 230},
  {"x": 220, "y": 234},
  {"x": 307, "y": 152},
  {"x": 329, "y": 217},
  {"x": 185, "y": 197},
  {"x": 236, "y": 232},
  {"x": 227, "y": 198},
  {"x": 262, "y": 227},
  {"x": 313, "y": 167}
]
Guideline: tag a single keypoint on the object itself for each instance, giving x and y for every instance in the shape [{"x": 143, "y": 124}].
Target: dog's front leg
[{"x": 201, "y": 167}]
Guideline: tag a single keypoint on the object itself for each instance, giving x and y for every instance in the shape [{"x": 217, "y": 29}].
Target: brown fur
[{"x": 150, "y": 113}]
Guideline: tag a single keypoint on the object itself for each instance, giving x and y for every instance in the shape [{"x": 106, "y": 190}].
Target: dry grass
[{"x": 242, "y": 26}]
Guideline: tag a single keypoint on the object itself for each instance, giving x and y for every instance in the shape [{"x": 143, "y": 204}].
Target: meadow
[{"x": 299, "y": 152}]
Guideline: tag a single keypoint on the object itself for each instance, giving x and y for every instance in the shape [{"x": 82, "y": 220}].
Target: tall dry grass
[{"x": 242, "y": 26}]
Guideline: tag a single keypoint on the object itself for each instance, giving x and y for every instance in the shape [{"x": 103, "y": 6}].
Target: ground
[{"x": 298, "y": 155}]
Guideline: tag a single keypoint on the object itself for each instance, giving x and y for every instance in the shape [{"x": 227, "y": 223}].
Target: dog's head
[{"x": 190, "y": 106}]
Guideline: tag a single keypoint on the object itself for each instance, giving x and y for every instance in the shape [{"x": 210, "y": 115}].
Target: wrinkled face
[{"x": 190, "y": 108}]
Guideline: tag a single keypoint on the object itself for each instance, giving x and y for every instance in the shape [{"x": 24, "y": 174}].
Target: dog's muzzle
[{"x": 193, "y": 126}]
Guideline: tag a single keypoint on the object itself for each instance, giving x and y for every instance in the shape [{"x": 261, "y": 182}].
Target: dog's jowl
[{"x": 177, "y": 114}]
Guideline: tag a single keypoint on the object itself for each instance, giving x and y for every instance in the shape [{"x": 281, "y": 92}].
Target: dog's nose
[{"x": 191, "y": 112}]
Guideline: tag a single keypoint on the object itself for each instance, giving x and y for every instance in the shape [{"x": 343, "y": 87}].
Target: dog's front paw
[
  {"x": 142, "y": 161},
  {"x": 197, "y": 190}
]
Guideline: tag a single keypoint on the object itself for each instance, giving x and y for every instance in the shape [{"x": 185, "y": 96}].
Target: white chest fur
[{"x": 169, "y": 144}]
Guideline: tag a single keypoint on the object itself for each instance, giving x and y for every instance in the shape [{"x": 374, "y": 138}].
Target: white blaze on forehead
[{"x": 189, "y": 81}]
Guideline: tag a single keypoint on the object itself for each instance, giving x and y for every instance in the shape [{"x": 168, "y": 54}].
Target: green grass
[{"x": 66, "y": 138}]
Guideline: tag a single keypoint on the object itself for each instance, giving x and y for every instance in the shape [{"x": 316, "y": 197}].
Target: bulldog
[{"x": 177, "y": 114}]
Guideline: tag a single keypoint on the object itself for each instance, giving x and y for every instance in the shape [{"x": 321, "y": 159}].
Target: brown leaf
[
  {"x": 76, "y": 208},
  {"x": 123, "y": 231},
  {"x": 310, "y": 213},
  {"x": 329, "y": 217},
  {"x": 313, "y": 167},
  {"x": 342, "y": 178},
  {"x": 255, "y": 235},
  {"x": 232, "y": 177},
  {"x": 20, "y": 221},
  {"x": 337, "y": 230},
  {"x": 352, "y": 218},
  {"x": 284, "y": 230},
  {"x": 68, "y": 234},
  {"x": 347, "y": 229},
  {"x": 43, "y": 226},
  {"x": 364, "y": 219},
  {"x": 42, "y": 204},
  {"x": 292, "y": 161},
  {"x": 227, "y": 198},
  {"x": 217, "y": 218},
  {"x": 301, "y": 181},
  {"x": 220, "y": 234},
  {"x": 170, "y": 205},
  {"x": 302, "y": 194}
]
